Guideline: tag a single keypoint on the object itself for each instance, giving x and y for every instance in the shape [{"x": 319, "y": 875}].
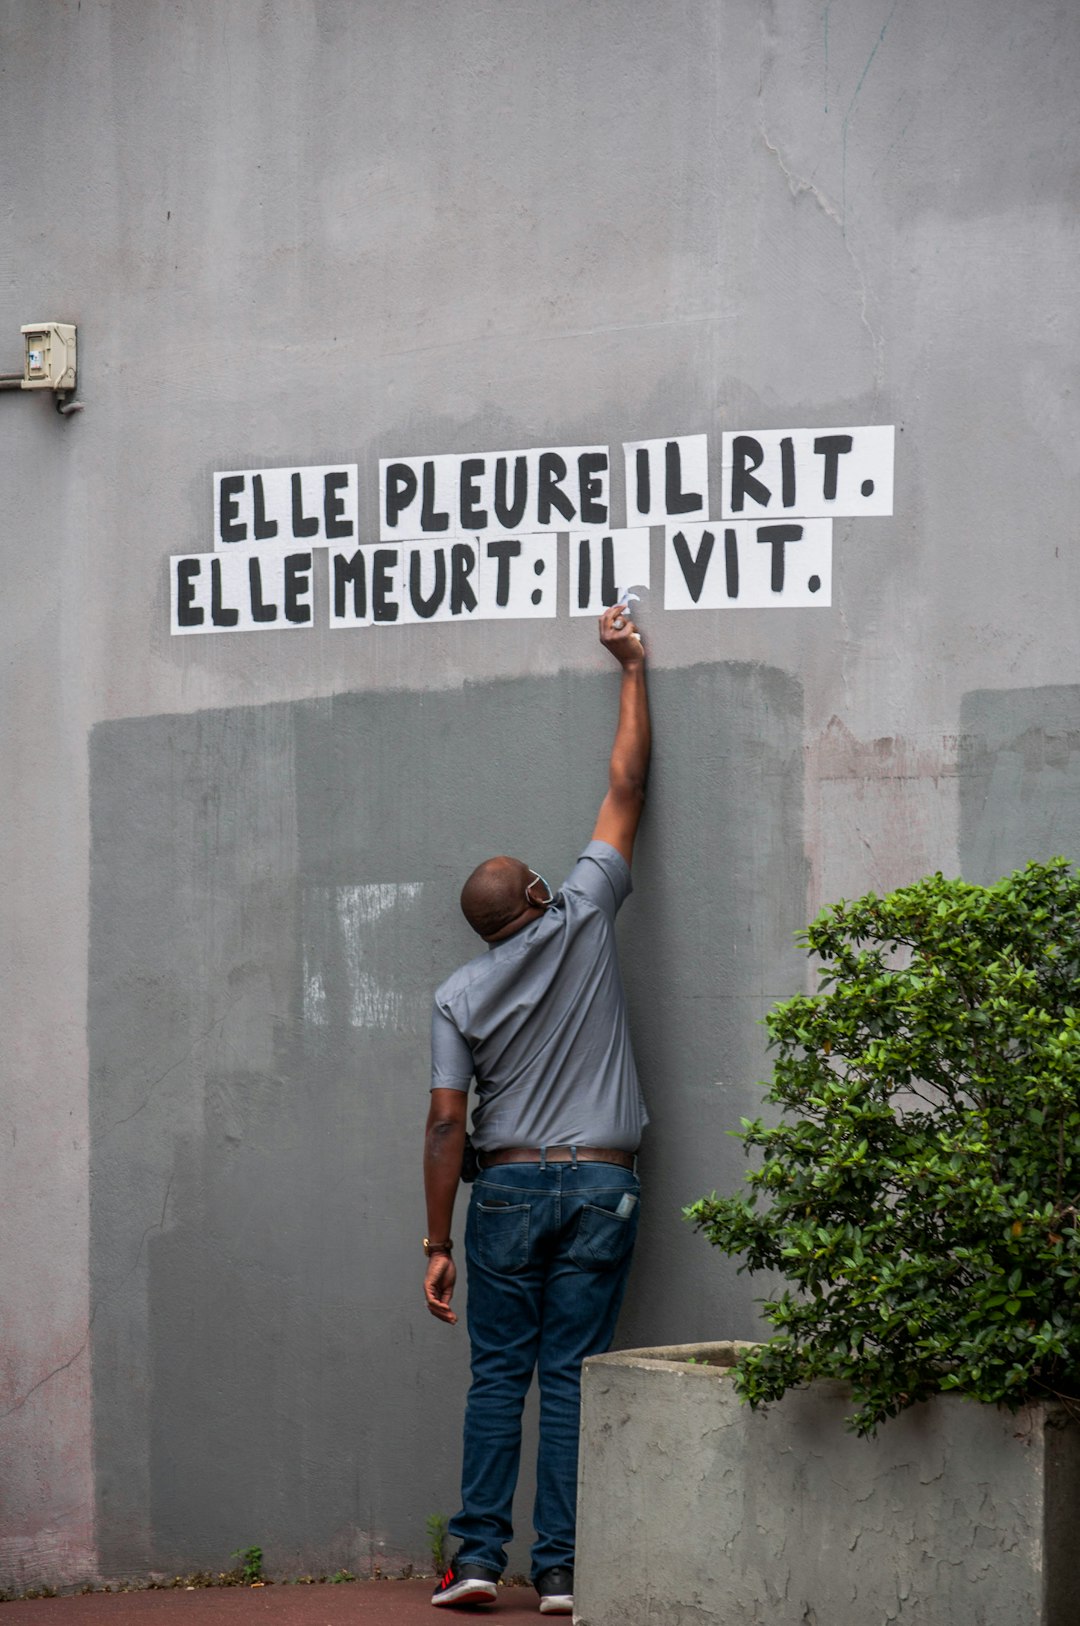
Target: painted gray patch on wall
[
  {"x": 1019, "y": 778},
  {"x": 273, "y": 899}
]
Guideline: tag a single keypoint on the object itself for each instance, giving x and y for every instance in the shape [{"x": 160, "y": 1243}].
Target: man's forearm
[
  {"x": 629, "y": 766},
  {"x": 628, "y": 769},
  {"x": 444, "y": 1144}
]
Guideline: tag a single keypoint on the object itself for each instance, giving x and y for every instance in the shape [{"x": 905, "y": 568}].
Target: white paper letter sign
[
  {"x": 349, "y": 582},
  {"x": 601, "y": 564},
  {"x": 518, "y": 576},
  {"x": 281, "y": 509},
  {"x": 493, "y": 494},
  {"x": 666, "y": 479},
  {"x": 745, "y": 565},
  {"x": 240, "y": 591},
  {"x": 811, "y": 473},
  {"x": 465, "y": 578}
]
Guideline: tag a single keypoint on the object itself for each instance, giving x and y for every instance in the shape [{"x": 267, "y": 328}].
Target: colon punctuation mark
[{"x": 538, "y": 569}]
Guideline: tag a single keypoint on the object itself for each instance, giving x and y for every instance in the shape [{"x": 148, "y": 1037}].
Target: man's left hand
[{"x": 439, "y": 1286}]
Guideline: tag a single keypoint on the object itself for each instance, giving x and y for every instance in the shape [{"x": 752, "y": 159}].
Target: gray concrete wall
[
  {"x": 303, "y": 233},
  {"x": 952, "y": 1513}
]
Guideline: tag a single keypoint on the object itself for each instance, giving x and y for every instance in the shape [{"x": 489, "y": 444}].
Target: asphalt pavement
[{"x": 351, "y": 1603}]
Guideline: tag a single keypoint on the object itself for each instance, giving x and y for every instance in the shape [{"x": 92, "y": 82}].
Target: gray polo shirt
[{"x": 540, "y": 1021}]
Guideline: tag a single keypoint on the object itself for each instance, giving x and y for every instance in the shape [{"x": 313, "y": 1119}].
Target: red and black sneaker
[{"x": 466, "y": 1584}]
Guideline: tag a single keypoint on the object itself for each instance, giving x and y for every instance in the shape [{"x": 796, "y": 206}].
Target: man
[{"x": 540, "y": 1023}]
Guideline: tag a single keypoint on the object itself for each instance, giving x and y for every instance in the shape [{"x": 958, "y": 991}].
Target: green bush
[{"x": 920, "y": 1190}]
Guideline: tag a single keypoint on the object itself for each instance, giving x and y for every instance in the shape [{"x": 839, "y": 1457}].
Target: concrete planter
[{"x": 692, "y": 1509}]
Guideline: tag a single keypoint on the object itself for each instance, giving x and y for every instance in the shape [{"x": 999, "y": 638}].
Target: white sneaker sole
[
  {"x": 467, "y": 1592},
  {"x": 557, "y": 1603}
]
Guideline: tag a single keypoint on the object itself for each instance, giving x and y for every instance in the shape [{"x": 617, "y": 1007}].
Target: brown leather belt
[{"x": 556, "y": 1154}]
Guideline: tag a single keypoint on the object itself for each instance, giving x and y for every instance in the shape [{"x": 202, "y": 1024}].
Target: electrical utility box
[{"x": 48, "y": 356}]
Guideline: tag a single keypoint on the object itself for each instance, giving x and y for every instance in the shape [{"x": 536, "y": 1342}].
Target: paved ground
[{"x": 353, "y": 1603}]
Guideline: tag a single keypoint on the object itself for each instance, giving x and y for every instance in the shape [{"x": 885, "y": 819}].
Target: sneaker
[
  {"x": 465, "y": 1584},
  {"x": 556, "y": 1589}
]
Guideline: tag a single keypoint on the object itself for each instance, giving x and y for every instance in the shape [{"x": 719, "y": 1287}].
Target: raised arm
[{"x": 620, "y": 811}]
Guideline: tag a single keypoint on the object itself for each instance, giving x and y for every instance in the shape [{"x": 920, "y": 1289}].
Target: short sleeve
[
  {"x": 603, "y": 876},
  {"x": 451, "y": 1058}
]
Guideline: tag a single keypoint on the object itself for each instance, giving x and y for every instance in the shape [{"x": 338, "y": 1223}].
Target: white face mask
[{"x": 536, "y": 879}]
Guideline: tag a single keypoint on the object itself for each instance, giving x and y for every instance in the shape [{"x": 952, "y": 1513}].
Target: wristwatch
[{"x": 437, "y": 1247}]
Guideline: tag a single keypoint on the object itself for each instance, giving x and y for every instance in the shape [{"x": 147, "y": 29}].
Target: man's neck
[{"x": 514, "y": 926}]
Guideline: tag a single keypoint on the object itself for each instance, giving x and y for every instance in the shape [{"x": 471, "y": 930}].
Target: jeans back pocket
[
  {"x": 604, "y": 1237},
  {"x": 502, "y": 1236}
]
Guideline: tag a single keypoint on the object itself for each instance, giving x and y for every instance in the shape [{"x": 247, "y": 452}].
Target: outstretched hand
[{"x": 619, "y": 634}]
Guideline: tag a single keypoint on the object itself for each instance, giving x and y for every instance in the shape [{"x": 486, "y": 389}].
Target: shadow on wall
[
  {"x": 1019, "y": 779},
  {"x": 274, "y": 897}
]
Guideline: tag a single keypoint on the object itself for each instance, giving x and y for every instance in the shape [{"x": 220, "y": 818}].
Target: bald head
[{"x": 494, "y": 894}]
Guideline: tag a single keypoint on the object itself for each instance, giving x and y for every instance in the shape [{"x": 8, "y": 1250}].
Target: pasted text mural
[{"x": 473, "y": 537}]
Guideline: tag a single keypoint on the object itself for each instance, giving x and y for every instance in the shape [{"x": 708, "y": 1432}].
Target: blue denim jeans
[{"x": 549, "y": 1252}]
